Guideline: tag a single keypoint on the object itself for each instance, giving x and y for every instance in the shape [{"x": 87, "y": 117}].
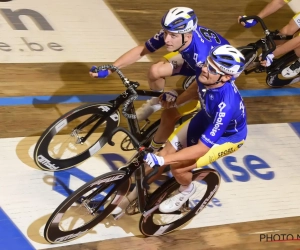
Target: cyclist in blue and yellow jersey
[
  {"x": 290, "y": 29},
  {"x": 218, "y": 129},
  {"x": 189, "y": 45}
]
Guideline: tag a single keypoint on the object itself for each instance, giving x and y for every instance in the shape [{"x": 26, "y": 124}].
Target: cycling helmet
[
  {"x": 179, "y": 20},
  {"x": 229, "y": 60}
]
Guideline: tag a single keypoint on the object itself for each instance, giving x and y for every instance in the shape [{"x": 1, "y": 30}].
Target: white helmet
[
  {"x": 179, "y": 20},
  {"x": 229, "y": 59}
]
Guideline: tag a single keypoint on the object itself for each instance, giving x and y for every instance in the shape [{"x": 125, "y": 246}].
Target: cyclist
[
  {"x": 218, "y": 129},
  {"x": 189, "y": 44},
  {"x": 290, "y": 29}
]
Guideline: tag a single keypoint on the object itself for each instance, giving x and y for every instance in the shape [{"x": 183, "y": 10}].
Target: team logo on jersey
[
  {"x": 211, "y": 97},
  {"x": 219, "y": 119}
]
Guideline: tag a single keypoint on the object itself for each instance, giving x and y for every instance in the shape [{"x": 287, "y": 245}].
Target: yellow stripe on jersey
[
  {"x": 170, "y": 55},
  {"x": 218, "y": 151}
]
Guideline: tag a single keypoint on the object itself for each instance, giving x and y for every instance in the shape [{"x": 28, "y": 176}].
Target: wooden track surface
[{"x": 142, "y": 21}]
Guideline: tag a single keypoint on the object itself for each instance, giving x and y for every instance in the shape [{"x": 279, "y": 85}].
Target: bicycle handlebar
[
  {"x": 128, "y": 84},
  {"x": 267, "y": 50}
]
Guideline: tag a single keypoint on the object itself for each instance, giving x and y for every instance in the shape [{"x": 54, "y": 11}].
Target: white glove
[{"x": 152, "y": 160}]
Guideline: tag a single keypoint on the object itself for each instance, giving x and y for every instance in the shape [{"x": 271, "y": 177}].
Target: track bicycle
[
  {"x": 93, "y": 202},
  {"x": 274, "y": 77},
  {"x": 96, "y": 121}
]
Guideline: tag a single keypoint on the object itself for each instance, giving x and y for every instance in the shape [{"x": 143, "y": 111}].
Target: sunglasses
[{"x": 212, "y": 69}]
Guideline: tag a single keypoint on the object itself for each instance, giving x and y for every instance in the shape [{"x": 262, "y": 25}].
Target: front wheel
[
  {"x": 155, "y": 223},
  {"x": 86, "y": 207},
  {"x": 59, "y": 147}
]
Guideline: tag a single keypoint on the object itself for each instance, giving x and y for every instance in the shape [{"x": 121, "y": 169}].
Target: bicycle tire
[
  {"x": 41, "y": 155},
  {"x": 146, "y": 225},
  {"x": 274, "y": 78},
  {"x": 188, "y": 81},
  {"x": 250, "y": 54},
  {"x": 52, "y": 232}
]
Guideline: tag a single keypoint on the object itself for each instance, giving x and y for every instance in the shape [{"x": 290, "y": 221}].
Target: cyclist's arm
[
  {"x": 272, "y": 7},
  {"x": 207, "y": 139},
  {"x": 135, "y": 54},
  {"x": 131, "y": 56}
]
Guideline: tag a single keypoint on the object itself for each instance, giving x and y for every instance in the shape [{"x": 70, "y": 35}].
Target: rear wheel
[{"x": 155, "y": 223}]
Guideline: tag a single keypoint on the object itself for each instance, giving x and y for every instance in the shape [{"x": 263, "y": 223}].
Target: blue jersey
[
  {"x": 195, "y": 54},
  {"x": 223, "y": 110}
]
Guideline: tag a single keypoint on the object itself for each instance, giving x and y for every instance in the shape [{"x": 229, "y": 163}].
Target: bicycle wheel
[
  {"x": 97, "y": 199},
  {"x": 155, "y": 223},
  {"x": 275, "y": 77},
  {"x": 59, "y": 148},
  {"x": 250, "y": 54},
  {"x": 188, "y": 81}
]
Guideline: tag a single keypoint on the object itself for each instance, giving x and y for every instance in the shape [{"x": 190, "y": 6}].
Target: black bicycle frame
[
  {"x": 136, "y": 166},
  {"x": 128, "y": 112}
]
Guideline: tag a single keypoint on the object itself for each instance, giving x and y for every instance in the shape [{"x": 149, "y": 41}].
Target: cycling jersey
[
  {"x": 223, "y": 112},
  {"x": 195, "y": 54}
]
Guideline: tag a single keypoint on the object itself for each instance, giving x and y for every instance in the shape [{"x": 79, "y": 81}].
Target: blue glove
[
  {"x": 269, "y": 59},
  {"x": 170, "y": 96},
  {"x": 152, "y": 160},
  {"x": 101, "y": 73},
  {"x": 250, "y": 23}
]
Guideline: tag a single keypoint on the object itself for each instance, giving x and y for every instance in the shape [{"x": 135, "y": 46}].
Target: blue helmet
[
  {"x": 179, "y": 20},
  {"x": 229, "y": 59}
]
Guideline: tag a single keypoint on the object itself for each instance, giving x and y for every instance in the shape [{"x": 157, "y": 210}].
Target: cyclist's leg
[
  {"x": 183, "y": 175},
  {"x": 291, "y": 28},
  {"x": 186, "y": 137},
  {"x": 171, "y": 64},
  {"x": 168, "y": 149},
  {"x": 169, "y": 118}
]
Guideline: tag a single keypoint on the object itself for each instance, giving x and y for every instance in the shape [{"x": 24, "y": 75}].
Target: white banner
[
  {"x": 61, "y": 31},
  {"x": 259, "y": 182}
]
